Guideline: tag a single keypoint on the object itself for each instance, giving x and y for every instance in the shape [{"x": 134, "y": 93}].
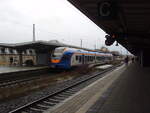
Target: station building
[
  {"x": 30, "y": 53},
  {"x": 10, "y": 57}
]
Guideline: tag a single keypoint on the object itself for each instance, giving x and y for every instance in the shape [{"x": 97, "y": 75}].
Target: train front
[{"x": 60, "y": 58}]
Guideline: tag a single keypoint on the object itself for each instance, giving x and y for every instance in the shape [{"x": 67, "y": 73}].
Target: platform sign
[{"x": 107, "y": 10}]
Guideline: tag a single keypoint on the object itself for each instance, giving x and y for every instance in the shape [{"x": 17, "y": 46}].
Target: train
[{"x": 66, "y": 58}]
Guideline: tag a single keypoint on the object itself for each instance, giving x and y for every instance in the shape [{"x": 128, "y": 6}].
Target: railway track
[
  {"x": 58, "y": 96},
  {"x": 16, "y": 82},
  {"x": 5, "y": 77},
  {"x": 16, "y": 78}
]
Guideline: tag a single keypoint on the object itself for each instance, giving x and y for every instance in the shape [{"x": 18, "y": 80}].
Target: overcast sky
[{"x": 54, "y": 20}]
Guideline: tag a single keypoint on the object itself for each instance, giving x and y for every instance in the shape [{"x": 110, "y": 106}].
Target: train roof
[{"x": 83, "y": 51}]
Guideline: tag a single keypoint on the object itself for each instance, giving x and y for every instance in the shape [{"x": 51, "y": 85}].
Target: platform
[
  {"x": 125, "y": 90},
  {"x": 129, "y": 94},
  {"x": 10, "y": 69}
]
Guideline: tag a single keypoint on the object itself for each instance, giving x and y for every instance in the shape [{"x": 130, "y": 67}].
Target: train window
[
  {"x": 80, "y": 58},
  {"x": 91, "y": 58},
  {"x": 58, "y": 52},
  {"x": 85, "y": 58},
  {"x": 88, "y": 58},
  {"x": 64, "y": 57},
  {"x": 58, "y": 55},
  {"x": 99, "y": 58},
  {"x": 77, "y": 57}
]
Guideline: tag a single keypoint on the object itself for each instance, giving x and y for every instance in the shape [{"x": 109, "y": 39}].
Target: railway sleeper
[
  {"x": 58, "y": 98},
  {"x": 35, "y": 110},
  {"x": 62, "y": 96},
  {"x": 70, "y": 92},
  {"x": 66, "y": 94},
  {"x": 40, "y": 107},
  {"x": 49, "y": 103},
  {"x": 73, "y": 90},
  {"x": 53, "y": 100},
  {"x": 43, "y": 106}
]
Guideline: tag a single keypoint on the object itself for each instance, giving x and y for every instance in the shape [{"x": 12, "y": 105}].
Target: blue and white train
[{"x": 65, "y": 58}]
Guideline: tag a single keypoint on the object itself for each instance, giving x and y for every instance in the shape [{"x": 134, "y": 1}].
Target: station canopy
[
  {"x": 37, "y": 45},
  {"x": 41, "y": 46},
  {"x": 127, "y": 20}
]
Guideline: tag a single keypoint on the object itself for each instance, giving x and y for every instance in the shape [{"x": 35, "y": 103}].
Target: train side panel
[
  {"x": 73, "y": 57},
  {"x": 76, "y": 60}
]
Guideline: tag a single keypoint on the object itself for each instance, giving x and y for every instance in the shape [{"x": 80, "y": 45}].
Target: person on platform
[
  {"x": 11, "y": 61},
  {"x": 126, "y": 60},
  {"x": 132, "y": 59}
]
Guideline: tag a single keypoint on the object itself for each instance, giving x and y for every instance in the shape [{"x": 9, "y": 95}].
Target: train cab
[{"x": 60, "y": 58}]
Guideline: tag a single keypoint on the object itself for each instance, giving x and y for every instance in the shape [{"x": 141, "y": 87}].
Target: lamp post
[
  {"x": 33, "y": 32},
  {"x": 81, "y": 43}
]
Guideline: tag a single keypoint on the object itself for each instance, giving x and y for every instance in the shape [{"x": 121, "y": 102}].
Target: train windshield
[{"x": 58, "y": 52}]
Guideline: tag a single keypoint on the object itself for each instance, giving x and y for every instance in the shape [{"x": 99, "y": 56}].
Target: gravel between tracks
[{"x": 9, "y": 105}]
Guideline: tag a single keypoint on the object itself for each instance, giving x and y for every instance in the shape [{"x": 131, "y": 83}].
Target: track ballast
[{"x": 58, "y": 96}]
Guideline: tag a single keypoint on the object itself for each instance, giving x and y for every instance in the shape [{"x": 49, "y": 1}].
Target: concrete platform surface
[
  {"x": 130, "y": 93},
  {"x": 84, "y": 99},
  {"x": 4, "y": 69}
]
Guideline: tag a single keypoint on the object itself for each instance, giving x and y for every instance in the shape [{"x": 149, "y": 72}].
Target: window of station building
[
  {"x": 11, "y": 51},
  {"x": 24, "y": 52},
  {"x": 30, "y": 52},
  {"x": 7, "y": 51},
  {"x": 2, "y": 50}
]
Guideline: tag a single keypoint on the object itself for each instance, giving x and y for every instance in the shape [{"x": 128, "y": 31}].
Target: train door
[{"x": 83, "y": 59}]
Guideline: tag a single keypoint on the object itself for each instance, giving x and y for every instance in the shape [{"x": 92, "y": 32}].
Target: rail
[{"x": 53, "y": 99}]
